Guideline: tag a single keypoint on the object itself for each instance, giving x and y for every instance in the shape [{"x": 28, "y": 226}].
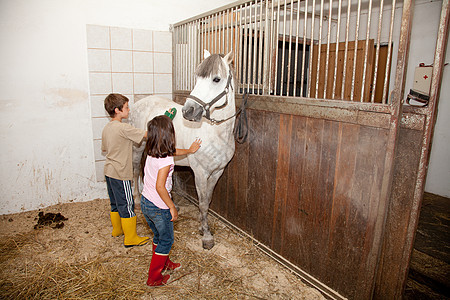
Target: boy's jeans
[{"x": 159, "y": 221}]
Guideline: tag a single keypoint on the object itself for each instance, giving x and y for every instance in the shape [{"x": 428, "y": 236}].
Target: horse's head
[{"x": 214, "y": 81}]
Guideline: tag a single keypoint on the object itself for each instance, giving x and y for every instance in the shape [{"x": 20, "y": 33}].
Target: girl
[{"x": 156, "y": 204}]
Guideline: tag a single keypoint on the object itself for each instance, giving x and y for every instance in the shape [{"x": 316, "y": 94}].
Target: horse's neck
[{"x": 226, "y": 128}]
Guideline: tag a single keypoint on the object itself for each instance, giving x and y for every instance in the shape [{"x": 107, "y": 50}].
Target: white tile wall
[
  {"x": 163, "y": 63},
  {"x": 142, "y": 40},
  {"x": 143, "y": 62},
  {"x": 98, "y": 150},
  {"x": 121, "y": 61},
  {"x": 163, "y": 41},
  {"x": 163, "y": 84},
  {"x": 99, "y": 60},
  {"x": 100, "y": 83},
  {"x": 122, "y": 83},
  {"x": 98, "y": 106},
  {"x": 97, "y": 126},
  {"x": 143, "y": 83},
  {"x": 98, "y": 37},
  {"x": 121, "y": 38},
  {"x": 133, "y": 62}
]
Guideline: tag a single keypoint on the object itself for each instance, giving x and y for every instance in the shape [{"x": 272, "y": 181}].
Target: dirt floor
[{"x": 82, "y": 260}]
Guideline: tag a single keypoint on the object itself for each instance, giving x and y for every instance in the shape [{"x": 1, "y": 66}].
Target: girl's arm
[
  {"x": 192, "y": 149},
  {"x": 163, "y": 193}
]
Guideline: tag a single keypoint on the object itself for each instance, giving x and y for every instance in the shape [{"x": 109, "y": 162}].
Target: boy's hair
[
  {"x": 113, "y": 101},
  {"x": 160, "y": 140}
]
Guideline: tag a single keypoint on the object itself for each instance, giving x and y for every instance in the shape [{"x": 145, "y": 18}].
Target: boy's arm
[{"x": 192, "y": 149}]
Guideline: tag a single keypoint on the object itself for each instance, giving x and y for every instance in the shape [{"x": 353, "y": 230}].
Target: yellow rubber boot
[
  {"x": 116, "y": 224},
  {"x": 131, "y": 238}
]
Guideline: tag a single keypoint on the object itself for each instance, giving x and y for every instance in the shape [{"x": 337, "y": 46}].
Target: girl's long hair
[{"x": 160, "y": 140}]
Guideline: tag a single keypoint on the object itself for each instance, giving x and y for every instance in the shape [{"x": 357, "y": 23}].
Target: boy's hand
[{"x": 195, "y": 145}]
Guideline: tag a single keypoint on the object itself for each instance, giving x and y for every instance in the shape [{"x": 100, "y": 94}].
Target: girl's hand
[
  {"x": 195, "y": 145},
  {"x": 174, "y": 213}
]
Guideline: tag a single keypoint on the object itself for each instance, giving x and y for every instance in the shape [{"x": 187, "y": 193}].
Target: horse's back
[{"x": 147, "y": 108}]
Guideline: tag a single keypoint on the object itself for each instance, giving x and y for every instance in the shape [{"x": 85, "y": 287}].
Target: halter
[{"x": 207, "y": 106}]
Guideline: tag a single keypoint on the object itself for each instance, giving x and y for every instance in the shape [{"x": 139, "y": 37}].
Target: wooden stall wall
[
  {"x": 309, "y": 189},
  {"x": 392, "y": 274}
]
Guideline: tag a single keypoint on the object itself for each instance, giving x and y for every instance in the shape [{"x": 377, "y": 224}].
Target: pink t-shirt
[{"x": 152, "y": 166}]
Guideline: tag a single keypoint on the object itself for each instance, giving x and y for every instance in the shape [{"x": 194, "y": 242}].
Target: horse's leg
[{"x": 205, "y": 190}]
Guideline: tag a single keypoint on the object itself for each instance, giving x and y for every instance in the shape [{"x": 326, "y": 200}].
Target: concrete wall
[{"x": 46, "y": 136}]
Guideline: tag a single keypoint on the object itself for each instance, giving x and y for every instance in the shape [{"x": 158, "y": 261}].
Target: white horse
[{"x": 209, "y": 113}]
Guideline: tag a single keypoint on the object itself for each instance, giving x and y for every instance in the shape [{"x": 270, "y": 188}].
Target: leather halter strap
[{"x": 207, "y": 106}]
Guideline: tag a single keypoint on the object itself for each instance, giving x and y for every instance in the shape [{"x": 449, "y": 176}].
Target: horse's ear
[
  {"x": 229, "y": 57},
  {"x": 206, "y": 54}
]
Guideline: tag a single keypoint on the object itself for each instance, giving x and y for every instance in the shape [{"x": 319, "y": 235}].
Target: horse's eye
[{"x": 216, "y": 79}]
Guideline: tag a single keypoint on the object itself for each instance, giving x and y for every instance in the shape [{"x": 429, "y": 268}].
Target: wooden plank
[
  {"x": 292, "y": 235},
  {"x": 263, "y": 147},
  {"x": 340, "y": 250},
  {"x": 282, "y": 180},
  {"x": 325, "y": 187}
]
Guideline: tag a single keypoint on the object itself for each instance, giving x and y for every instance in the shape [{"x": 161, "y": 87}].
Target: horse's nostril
[{"x": 188, "y": 112}]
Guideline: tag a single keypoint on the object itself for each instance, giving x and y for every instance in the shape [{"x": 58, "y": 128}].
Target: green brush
[{"x": 171, "y": 115}]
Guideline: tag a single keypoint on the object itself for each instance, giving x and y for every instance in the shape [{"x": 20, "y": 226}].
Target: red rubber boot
[
  {"x": 155, "y": 278},
  {"x": 170, "y": 265}
]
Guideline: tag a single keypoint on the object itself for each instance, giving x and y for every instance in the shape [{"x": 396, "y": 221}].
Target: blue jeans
[{"x": 159, "y": 221}]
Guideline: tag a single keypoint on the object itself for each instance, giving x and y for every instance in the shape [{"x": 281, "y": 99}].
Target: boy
[{"x": 117, "y": 142}]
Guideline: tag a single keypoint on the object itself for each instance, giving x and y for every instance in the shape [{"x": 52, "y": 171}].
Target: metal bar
[
  {"x": 311, "y": 49},
  {"x": 288, "y": 77},
  {"x": 296, "y": 50},
  {"x": 260, "y": 50},
  {"x": 245, "y": 65},
  {"x": 275, "y": 43},
  {"x": 212, "y": 12},
  {"x": 189, "y": 57},
  {"x": 222, "y": 50},
  {"x": 236, "y": 45},
  {"x": 183, "y": 57},
  {"x": 283, "y": 49},
  {"x": 369, "y": 16},
  {"x": 267, "y": 47},
  {"x": 241, "y": 55},
  {"x": 219, "y": 33},
  {"x": 385, "y": 101},
  {"x": 356, "y": 50},
  {"x": 349, "y": 4},
  {"x": 337, "y": 48},
  {"x": 276, "y": 49},
  {"x": 270, "y": 71},
  {"x": 229, "y": 31},
  {"x": 328, "y": 49},
  {"x": 250, "y": 48},
  {"x": 377, "y": 55},
  {"x": 304, "y": 48},
  {"x": 217, "y": 38},
  {"x": 319, "y": 50},
  {"x": 255, "y": 44}
]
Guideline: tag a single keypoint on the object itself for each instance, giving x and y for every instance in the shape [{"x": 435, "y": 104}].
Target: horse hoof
[{"x": 208, "y": 244}]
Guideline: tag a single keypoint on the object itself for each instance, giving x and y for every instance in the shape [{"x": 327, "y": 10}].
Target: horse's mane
[{"x": 211, "y": 65}]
